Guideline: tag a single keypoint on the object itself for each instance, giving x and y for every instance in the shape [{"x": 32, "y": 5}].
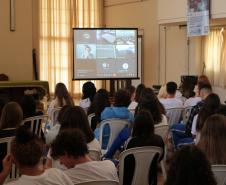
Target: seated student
[
  {"x": 100, "y": 101},
  {"x": 193, "y": 100},
  {"x": 119, "y": 110},
  {"x": 132, "y": 91},
  {"x": 148, "y": 101},
  {"x": 139, "y": 91},
  {"x": 142, "y": 135},
  {"x": 162, "y": 94},
  {"x": 26, "y": 150},
  {"x": 213, "y": 139},
  {"x": 181, "y": 133},
  {"x": 11, "y": 118},
  {"x": 28, "y": 106},
  {"x": 171, "y": 101},
  {"x": 71, "y": 149},
  {"x": 211, "y": 106},
  {"x": 88, "y": 90},
  {"x": 52, "y": 132},
  {"x": 61, "y": 98},
  {"x": 73, "y": 117},
  {"x": 189, "y": 166}
]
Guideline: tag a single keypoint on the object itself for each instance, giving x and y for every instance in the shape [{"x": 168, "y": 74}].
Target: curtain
[
  {"x": 57, "y": 18},
  {"x": 214, "y": 56}
]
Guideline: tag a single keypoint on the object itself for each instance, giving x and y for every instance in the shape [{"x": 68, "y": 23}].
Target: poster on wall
[{"x": 198, "y": 17}]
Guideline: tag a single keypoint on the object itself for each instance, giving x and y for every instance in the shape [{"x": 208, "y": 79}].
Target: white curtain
[
  {"x": 57, "y": 18},
  {"x": 214, "y": 56}
]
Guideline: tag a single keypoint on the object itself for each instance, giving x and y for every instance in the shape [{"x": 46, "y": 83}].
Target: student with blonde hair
[{"x": 213, "y": 139}]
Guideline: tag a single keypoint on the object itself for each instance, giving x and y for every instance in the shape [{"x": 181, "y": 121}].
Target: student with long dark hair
[
  {"x": 142, "y": 135},
  {"x": 11, "y": 118},
  {"x": 89, "y": 91},
  {"x": 150, "y": 102},
  {"x": 211, "y": 106},
  {"x": 189, "y": 166},
  {"x": 99, "y": 103},
  {"x": 74, "y": 117},
  {"x": 213, "y": 139}
]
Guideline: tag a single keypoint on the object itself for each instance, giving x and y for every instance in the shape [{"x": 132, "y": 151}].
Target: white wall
[
  {"x": 143, "y": 15},
  {"x": 16, "y": 47},
  {"x": 171, "y": 14}
]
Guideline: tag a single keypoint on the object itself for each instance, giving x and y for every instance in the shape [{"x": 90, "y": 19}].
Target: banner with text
[{"x": 197, "y": 17}]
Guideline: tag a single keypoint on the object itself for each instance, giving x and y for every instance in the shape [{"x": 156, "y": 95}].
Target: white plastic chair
[
  {"x": 116, "y": 125},
  {"x": 14, "y": 174},
  {"x": 174, "y": 115},
  {"x": 90, "y": 117},
  {"x": 36, "y": 123},
  {"x": 186, "y": 113},
  {"x": 143, "y": 159},
  {"x": 163, "y": 130},
  {"x": 104, "y": 182},
  {"x": 95, "y": 155},
  {"x": 219, "y": 173}
]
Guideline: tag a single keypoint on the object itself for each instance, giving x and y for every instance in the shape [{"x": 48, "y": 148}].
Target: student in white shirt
[
  {"x": 89, "y": 91},
  {"x": 73, "y": 117},
  {"x": 171, "y": 101},
  {"x": 27, "y": 150},
  {"x": 71, "y": 149}
]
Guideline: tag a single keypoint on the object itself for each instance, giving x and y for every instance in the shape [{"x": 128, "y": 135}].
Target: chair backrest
[
  {"x": 116, "y": 125},
  {"x": 36, "y": 123},
  {"x": 219, "y": 173},
  {"x": 90, "y": 117},
  {"x": 174, "y": 115},
  {"x": 186, "y": 113},
  {"x": 162, "y": 130},
  {"x": 54, "y": 115},
  {"x": 14, "y": 172},
  {"x": 106, "y": 182},
  {"x": 143, "y": 159},
  {"x": 95, "y": 155}
]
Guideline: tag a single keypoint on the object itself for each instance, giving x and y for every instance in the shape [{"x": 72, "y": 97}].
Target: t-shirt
[
  {"x": 191, "y": 102},
  {"x": 93, "y": 145},
  {"x": 51, "y": 176},
  {"x": 92, "y": 171},
  {"x": 85, "y": 103},
  {"x": 169, "y": 103},
  {"x": 194, "y": 123}
]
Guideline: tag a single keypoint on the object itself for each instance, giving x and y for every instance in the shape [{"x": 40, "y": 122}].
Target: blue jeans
[
  {"x": 179, "y": 136},
  {"x": 105, "y": 136},
  {"x": 118, "y": 142}
]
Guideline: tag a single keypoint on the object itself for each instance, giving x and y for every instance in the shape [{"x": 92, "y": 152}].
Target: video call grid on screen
[{"x": 106, "y": 53}]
